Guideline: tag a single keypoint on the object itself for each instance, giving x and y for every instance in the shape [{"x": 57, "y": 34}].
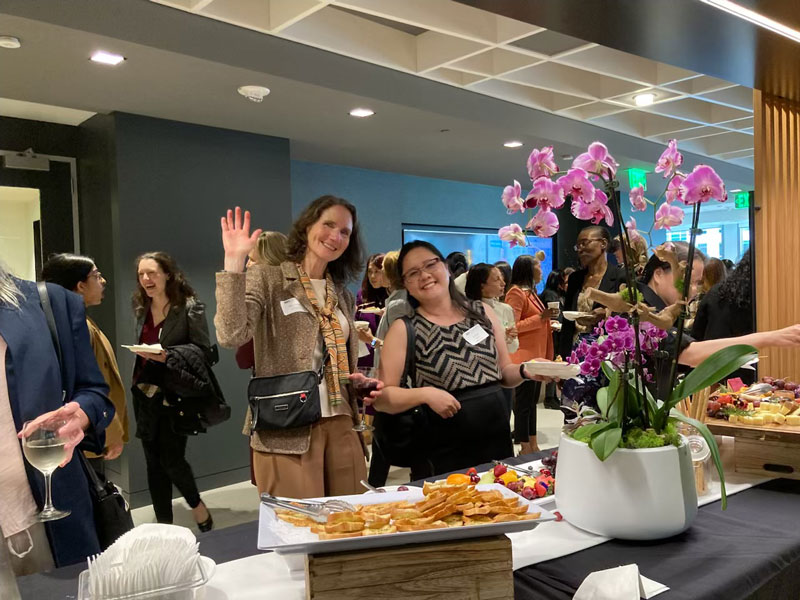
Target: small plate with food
[
  {"x": 572, "y": 315},
  {"x": 555, "y": 370}
]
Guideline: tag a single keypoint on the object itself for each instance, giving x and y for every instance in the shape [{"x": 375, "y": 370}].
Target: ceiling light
[
  {"x": 567, "y": 157},
  {"x": 513, "y": 144},
  {"x": 736, "y": 190},
  {"x": 361, "y": 112},
  {"x": 756, "y": 18},
  {"x": 107, "y": 58},
  {"x": 254, "y": 93},
  {"x": 10, "y": 42},
  {"x": 644, "y": 99}
]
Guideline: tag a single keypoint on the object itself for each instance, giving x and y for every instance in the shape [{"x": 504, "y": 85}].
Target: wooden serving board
[
  {"x": 475, "y": 569},
  {"x": 766, "y": 450}
]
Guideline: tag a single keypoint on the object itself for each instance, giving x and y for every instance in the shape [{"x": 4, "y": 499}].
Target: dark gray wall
[
  {"x": 44, "y": 138},
  {"x": 169, "y": 185}
]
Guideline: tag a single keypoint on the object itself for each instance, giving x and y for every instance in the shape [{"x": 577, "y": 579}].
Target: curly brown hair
[
  {"x": 348, "y": 266},
  {"x": 178, "y": 289}
]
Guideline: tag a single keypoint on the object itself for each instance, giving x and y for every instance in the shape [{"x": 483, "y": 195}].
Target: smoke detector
[
  {"x": 10, "y": 42},
  {"x": 254, "y": 93}
]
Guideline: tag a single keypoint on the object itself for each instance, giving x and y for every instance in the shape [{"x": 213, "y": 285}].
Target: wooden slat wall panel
[{"x": 777, "y": 235}]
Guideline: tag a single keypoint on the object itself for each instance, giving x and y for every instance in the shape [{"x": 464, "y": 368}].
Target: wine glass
[
  {"x": 44, "y": 449},
  {"x": 363, "y": 386}
]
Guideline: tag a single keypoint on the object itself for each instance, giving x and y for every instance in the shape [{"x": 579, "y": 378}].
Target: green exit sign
[
  {"x": 741, "y": 199},
  {"x": 637, "y": 177}
]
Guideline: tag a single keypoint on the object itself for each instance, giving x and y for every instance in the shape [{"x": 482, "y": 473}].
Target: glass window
[
  {"x": 744, "y": 239},
  {"x": 480, "y": 245}
]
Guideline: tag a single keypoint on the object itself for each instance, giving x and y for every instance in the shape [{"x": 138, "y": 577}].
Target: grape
[
  {"x": 779, "y": 383},
  {"x": 528, "y": 493},
  {"x": 790, "y": 386},
  {"x": 402, "y": 488}
]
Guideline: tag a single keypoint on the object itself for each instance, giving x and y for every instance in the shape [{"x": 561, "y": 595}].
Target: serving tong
[
  {"x": 319, "y": 511},
  {"x": 524, "y": 470}
]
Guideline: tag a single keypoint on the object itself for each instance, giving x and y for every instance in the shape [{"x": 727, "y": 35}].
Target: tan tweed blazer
[{"x": 249, "y": 306}]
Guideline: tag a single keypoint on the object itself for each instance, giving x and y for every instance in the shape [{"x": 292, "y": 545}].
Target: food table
[{"x": 752, "y": 550}]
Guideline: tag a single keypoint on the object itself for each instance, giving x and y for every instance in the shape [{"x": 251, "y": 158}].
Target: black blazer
[
  {"x": 182, "y": 325},
  {"x": 613, "y": 278}
]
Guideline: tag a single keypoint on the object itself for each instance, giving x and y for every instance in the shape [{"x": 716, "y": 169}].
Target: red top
[{"x": 150, "y": 332}]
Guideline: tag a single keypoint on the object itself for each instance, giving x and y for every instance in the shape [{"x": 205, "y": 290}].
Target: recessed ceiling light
[
  {"x": 254, "y": 93},
  {"x": 10, "y": 42},
  {"x": 513, "y": 144},
  {"x": 644, "y": 99},
  {"x": 567, "y": 157},
  {"x": 736, "y": 190},
  {"x": 361, "y": 112},
  {"x": 107, "y": 58},
  {"x": 755, "y": 18}
]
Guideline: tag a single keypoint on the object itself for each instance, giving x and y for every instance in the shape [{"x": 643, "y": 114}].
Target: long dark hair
[
  {"x": 345, "y": 268},
  {"x": 67, "y": 270},
  {"x": 369, "y": 293},
  {"x": 178, "y": 289},
  {"x": 522, "y": 273},
  {"x": 737, "y": 289},
  {"x": 505, "y": 269},
  {"x": 554, "y": 281},
  {"x": 477, "y": 276},
  {"x": 460, "y": 300}
]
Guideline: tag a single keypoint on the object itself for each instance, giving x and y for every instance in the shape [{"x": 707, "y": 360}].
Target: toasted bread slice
[
  {"x": 380, "y": 530},
  {"x": 529, "y": 516},
  {"x": 490, "y": 496},
  {"x": 480, "y": 509},
  {"x": 431, "y": 501},
  {"x": 442, "y": 512},
  {"x": 477, "y": 520},
  {"x": 502, "y": 518},
  {"x": 345, "y": 527},
  {"x": 455, "y": 520},
  {"x": 406, "y": 513},
  {"x": 344, "y": 517},
  {"x": 377, "y": 521},
  {"x": 337, "y": 536}
]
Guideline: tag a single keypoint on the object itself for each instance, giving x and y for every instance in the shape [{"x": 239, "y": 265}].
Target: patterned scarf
[{"x": 338, "y": 367}]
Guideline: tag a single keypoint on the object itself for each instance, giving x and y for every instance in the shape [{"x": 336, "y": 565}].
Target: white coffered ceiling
[{"x": 514, "y": 61}]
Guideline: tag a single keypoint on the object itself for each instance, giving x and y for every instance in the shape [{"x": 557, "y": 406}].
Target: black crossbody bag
[
  {"x": 112, "y": 515},
  {"x": 285, "y": 401},
  {"x": 403, "y": 437}
]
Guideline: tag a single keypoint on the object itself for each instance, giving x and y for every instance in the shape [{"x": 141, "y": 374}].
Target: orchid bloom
[
  {"x": 576, "y": 183},
  {"x": 633, "y": 232},
  {"x": 594, "y": 211},
  {"x": 512, "y": 198},
  {"x": 544, "y": 223},
  {"x": 541, "y": 163},
  {"x": 702, "y": 185},
  {"x": 670, "y": 159},
  {"x": 674, "y": 189},
  {"x": 596, "y": 159},
  {"x": 546, "y": 194},
  {"x": 513, "y": 235},
  {"x": 668, "y": 216},
  {"x": 636, "y": 196}
]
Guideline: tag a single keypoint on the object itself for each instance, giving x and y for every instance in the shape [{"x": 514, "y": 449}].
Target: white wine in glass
[{"x": 44, "y": 449}]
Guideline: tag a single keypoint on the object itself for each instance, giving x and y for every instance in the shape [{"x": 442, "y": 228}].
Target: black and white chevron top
[{"x": 444, "y": 359}]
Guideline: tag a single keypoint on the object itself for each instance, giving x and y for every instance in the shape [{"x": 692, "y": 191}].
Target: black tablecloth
[{"x": 752, "y": 550}]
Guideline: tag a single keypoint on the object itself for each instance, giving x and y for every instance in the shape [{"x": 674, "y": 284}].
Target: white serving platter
[
  {"x": 571, "y": 315},
  {"x": 284, "y": 538},
  {"x": 561, "y": 370}
]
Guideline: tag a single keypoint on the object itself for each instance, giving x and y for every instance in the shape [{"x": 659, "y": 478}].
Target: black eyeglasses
[
  {"x": 429, "y": 266},
  {"x": 583, "y": 243}
]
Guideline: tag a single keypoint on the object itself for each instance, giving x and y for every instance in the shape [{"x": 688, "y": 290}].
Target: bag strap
[
  {"x": 410, "y": 367},
  {"x": 47, "y": 308}
]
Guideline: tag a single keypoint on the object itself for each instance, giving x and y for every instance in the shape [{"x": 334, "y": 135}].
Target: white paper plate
[
  {"x": 149, "y": 348},
  {"x": 561, "y": 370},
  {"x": 283, "y": 538},
  {"x": 571, "y": 315}
]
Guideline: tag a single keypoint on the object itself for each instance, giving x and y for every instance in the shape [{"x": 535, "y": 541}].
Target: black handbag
[
  {"x": 285, "y": 401},
  {"x": 403, "y": 437},
  {"x": 112, "y": 515}
]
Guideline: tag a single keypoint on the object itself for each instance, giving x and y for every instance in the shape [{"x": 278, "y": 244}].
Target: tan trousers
[{"x": 333, "y": 465}]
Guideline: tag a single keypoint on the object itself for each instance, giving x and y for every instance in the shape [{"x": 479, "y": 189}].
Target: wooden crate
[
  {"x": 463, "y": 569},
  {"x": 770, "y": 451}
]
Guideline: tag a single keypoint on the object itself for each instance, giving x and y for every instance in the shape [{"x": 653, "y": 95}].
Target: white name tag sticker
[
  {"x": 292, "y": 305},
  {"x": 475, "y": 335}
]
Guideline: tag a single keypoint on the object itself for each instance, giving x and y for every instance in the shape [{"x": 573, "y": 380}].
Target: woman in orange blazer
[{"x": 535, "y": 341}]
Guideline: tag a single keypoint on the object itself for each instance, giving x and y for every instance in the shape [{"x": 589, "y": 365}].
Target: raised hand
[{"x": 237, "y": 239}]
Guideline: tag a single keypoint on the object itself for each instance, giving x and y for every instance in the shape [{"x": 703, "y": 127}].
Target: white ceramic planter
[{"x": 644, "y": 494}]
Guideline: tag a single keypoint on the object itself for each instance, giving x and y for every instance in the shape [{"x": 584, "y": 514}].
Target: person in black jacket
[
  {"x": 168, "y": 313},
  {"x": 595, "y": 272},
  {"x": 726, "y": 310}
]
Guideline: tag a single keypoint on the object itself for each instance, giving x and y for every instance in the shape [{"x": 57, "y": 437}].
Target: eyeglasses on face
[
  {"x": 583, "y": 243},
  {"x": 429, "y": 266}
]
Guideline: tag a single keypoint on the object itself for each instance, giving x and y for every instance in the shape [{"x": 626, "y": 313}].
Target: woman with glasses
[
  {"x": 595, "y": 272},
  {"x": 79, "y": 274},
  {"x": 461, "y": 362},
  {"x": 300, "y": 316}
]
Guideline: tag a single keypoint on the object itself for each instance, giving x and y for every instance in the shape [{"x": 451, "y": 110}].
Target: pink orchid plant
[{"x": 622, "y": 343}]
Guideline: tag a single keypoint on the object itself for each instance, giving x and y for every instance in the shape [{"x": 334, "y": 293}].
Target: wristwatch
[
  {"x": 375, "y": 343},
  {"x": 522, "y": 372}
]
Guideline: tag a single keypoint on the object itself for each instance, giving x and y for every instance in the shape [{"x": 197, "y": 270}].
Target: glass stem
[{"x": 48, "y": 504}]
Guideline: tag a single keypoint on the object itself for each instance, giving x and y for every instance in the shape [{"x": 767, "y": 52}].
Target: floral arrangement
[{"x": 616, "y": 406}]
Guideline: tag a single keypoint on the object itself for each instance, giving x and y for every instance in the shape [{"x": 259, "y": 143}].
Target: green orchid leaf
[
  {"x": 585, "y": 432},
  {"x": 602, "y": 401},
  {"x": 712, "y": 445},
  {"x": 606, "y": 442},
  {"x": 711, "y": 370},
  {"x": 657, "y": 420}
]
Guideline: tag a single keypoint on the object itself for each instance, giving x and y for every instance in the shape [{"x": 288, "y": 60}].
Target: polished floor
[{"x": 238, "y": 503}]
